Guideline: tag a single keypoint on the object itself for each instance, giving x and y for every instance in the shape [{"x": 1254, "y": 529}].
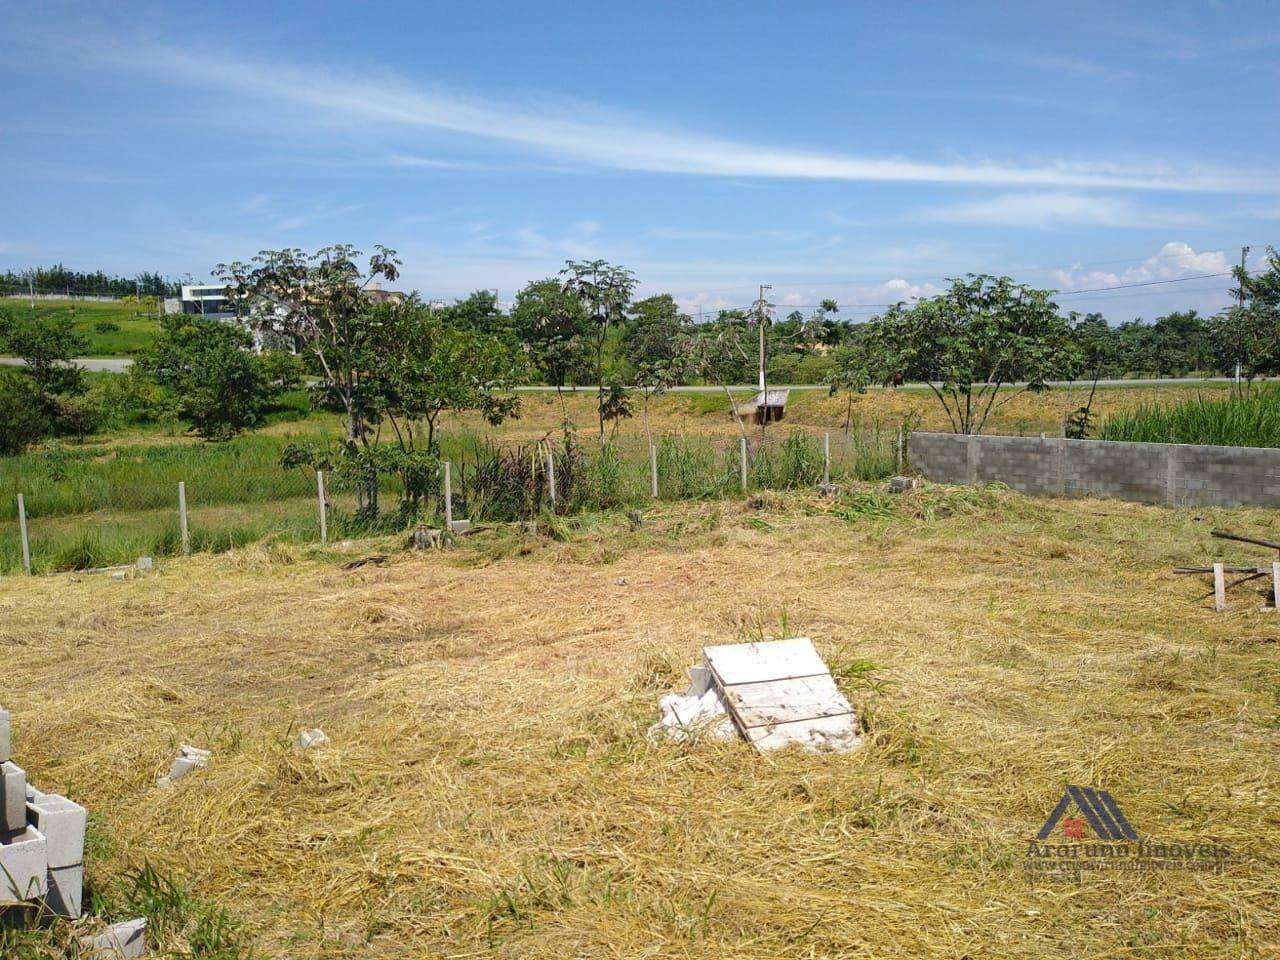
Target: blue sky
[{"x": 858, "y": 151}]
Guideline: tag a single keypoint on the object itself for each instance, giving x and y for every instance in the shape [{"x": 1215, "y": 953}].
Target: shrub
[{"x": 23, "y": 418}]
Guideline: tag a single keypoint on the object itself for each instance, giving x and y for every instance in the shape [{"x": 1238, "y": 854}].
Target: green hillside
[{"x": 112, "y": 327}]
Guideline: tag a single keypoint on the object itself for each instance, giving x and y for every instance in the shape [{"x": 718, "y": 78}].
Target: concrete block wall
[{"x": 1168, "y": 473}]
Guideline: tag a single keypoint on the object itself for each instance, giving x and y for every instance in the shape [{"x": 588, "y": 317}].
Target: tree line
[
  {"x": 393, "y": 369},
  {"x": 59, "y": 279}
]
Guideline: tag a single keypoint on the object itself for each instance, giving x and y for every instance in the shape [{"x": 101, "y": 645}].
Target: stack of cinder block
[{"x": 41, "y": 840}]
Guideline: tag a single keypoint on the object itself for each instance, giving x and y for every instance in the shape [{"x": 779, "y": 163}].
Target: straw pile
[{"x": 488, "y": 790}]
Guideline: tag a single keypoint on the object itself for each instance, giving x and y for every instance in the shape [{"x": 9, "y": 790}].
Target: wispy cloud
[
  {"x": 1047, "y": 210},
  {"x": 587, "y": 134},
  {"x": 1060, "y": 63}
]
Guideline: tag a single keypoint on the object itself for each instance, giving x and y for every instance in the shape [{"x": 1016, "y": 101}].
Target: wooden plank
[
  {"x": 770, "y": 660},
  {"x": 785, "y": 701},
  {"x": 840, "y": 732}
]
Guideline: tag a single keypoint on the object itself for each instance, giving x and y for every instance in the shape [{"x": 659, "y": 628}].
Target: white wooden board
[
  {"x": 770, "y": 660},
  {"x": 781, "y": 694},
  {"x": 785, "y": 701}
]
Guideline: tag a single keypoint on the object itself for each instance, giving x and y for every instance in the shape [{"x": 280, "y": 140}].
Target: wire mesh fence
[{"x": 85, "y": 509}]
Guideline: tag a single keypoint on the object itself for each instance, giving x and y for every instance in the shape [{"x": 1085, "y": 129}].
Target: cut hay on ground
[{"x": 488, "y": 789}]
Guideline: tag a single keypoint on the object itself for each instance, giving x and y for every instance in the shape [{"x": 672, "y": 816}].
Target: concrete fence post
[
  {"x": 26, "y": 540},
  {"x": 1171, "y": 475},
  {"x": 653, "y": 470},
  {"x": 901, "y": 452},
  {"x": 1062, "y": 466},
  {"x": 742, "y": 462},
  {"x": 971, "y": 456},
  {"x": 551, "y": 476},
  {"x": 826, "y": 459},
  {"x": 448, "y": 495},
  {"x": 324, "y": 508},
  {"x": 182, "y": 518}
]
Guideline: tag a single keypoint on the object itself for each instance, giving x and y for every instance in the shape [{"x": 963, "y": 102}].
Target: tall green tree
[
  {"x": 552, "y": 324},
  {"x": 1248, "y": 332},
  {"x": 982, "y": 336},
  {"x": 47, "y": 393},
  {"x": 656, "y": 343},
  {"x": 320, "y": 302},
  {"x": 220, "y": 386},
  {"x": 605, "y": 292}
]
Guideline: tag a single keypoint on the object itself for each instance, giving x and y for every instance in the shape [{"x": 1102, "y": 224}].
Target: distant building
[
  {"x": 378, "y": 295},
  {"x": 207, "y": 299}
]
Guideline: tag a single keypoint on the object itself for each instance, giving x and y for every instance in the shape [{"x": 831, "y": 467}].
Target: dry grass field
[{"x": 489, "y": 790}]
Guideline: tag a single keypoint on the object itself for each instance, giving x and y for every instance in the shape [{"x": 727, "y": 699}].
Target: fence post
[
  {"x": 22, "y": 526},
  {"x": 653, "y": 470},
  {"x": 742, "y": 461},
  {"x": 826, "y": 459},
  {"x": 324, "y": 508},
  {"x": 448, "y": 497},
  {"x": 551, "y": 477},
  {"x": 900, "y": 451},
  {"x": 1219, "y": 587},
  {"x": 182, "y": 517}
]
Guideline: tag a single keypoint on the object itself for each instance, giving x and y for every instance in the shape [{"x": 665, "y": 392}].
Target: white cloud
[
  {"x": 1046, "y": 210},
  {"x": 588, "y": 134},
  {"x": 1174, "y": 261}
]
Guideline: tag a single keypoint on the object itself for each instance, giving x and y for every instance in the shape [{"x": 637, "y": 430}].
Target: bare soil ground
[{"x": 489, "y": 789}]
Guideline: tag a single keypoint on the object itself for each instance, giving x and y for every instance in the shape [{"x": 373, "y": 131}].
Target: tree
[
  {"x": 605, "y": 291},
  {"x": 219, "y": 384},
  {"x": 656, "y": 342},
  {"x": 418, "y": 363},
  {"x": 22, "y": 416},
  {"x": 1097, "y": 349},
  {"x": 319, "y": 301},
  {"x": 984, "y": 334},
  {"x": 1248, "y": 333},
  {"x": 552, "y": 324},
  {"x": 851, "y": 372},
  {"x": 50, "y": 381},
  {"x": 720, "y": 351}
]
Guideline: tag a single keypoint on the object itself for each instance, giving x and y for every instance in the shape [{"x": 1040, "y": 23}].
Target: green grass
[
  {"x": 94, "y": 319},
  {"x": 1247, "y": 419},
  {"x": 102, "y": 505}
]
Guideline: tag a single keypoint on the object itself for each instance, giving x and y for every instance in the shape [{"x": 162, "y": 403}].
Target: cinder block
[
  {"x": 311, "y": 738},
  {"x": 460, "y": 527},
  {"x": 121, "y": 941},
  {"x": 13, "y": 790},
  {"x": 189, "y": 758},
  {"x": 65, "y": 896},
  {"x": 6, "y": 738},
  {"x": 62, "y": 822},
  {"x": 24, "y": 866}
]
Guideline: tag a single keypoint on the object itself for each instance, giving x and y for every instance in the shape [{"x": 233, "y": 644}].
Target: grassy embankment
[
  {"x": 133, "y": 330},
  {"x": 115, "y": 498},
  {"x": 1250, "y": 418}
]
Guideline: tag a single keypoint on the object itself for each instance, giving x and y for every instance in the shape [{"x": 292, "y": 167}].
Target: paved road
[
  {"x": 99, "y": 364},
  {"x": 121, "y": 364}
]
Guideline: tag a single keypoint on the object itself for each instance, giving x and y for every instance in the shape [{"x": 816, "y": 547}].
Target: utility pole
[
  {"x": 1244, "y": 256},
  {"x": 762, "y": 316}
]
